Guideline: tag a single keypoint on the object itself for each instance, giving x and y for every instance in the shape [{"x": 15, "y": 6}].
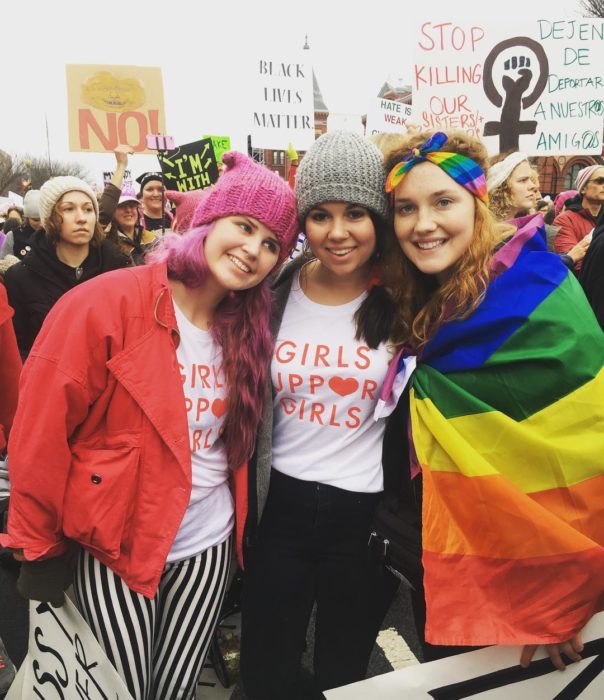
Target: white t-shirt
[
  {"x": 209, "y": 517},
  {"x": 327, "y": 385}
]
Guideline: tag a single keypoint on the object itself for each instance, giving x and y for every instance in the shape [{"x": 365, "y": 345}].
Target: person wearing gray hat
[
  {"x": 68, "y": 250},
  {"x": 318, "y": 463},
  {"x": 31, "y": 206},
  {"x": 18, "y": 241}
]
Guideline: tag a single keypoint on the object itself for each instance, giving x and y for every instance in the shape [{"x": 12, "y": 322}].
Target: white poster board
[
  {"x": 534, "y": 86},
  {"x": 493, "y": 674},
  {"x": 387, "y": 117},
  {"x": 282, "y": 102},
  {"x": 64, "y": 660},
  {"x": 15, "y": 198},
  {"x": 342, "y": 121}
]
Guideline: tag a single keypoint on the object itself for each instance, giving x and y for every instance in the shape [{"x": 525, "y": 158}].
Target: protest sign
[
  {"x": 64, "y": 659},
  {"x": 387, "y": 117},
  {"x": 282, "y": 103},
  {"x": 491, "y": 673},
  {"x": 15, "y": 198},
  {"x": 111, "y": 105},
  {"x": 189, "y": 167},
  {"x": 534, "y": 86},
  {"x": 221, "y": 145},
  {"x": 127, "y": 182},
  {"x": 341, "y": 121}
]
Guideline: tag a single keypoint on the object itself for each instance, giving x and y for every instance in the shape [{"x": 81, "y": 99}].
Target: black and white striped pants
[{"x": 157, "y": 646}]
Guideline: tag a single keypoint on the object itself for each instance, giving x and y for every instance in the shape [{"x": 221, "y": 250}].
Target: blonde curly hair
[
  {"x": 500, "y": 198},
  {"x": 421, "y": 304}
]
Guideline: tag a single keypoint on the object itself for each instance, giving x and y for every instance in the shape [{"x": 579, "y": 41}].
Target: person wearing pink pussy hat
[
  {"x": 562, "y": 198},
  {"x": 152, "y": 398},
  {"x": 248, "y": 188}
]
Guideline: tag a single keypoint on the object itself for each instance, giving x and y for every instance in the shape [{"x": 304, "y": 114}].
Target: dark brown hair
[{"x": 53, "y": 229}]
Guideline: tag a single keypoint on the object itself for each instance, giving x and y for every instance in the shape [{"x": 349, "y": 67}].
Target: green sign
[{"x": 222, "y": 144}]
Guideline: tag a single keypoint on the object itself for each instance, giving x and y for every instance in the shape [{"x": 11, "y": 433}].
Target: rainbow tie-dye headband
[{"x": 465, "y": 171}]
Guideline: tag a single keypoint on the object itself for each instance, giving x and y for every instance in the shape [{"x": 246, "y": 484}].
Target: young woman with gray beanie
[{"x": 319, "y": 445}]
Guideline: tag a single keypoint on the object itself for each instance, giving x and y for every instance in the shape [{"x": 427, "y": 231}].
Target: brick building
[{"x": 557, "y": 174}]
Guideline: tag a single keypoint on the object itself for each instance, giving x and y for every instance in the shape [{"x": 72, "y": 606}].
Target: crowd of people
[{"x": 182, "y": 394}]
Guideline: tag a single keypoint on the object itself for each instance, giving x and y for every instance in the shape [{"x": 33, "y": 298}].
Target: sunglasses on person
[{"x": 598, "y": 180}]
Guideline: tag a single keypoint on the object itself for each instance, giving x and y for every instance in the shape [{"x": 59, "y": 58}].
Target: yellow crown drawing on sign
[{"x": 112, "y": 94}]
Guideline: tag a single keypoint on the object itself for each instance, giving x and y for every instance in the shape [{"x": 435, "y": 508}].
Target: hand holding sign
[
  {"x": 121, "y": 155},
  {"x": 492, "y": 673},
  {"x": 571, "y": 649}
]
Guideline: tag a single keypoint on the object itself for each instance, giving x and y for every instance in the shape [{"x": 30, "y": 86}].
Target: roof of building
[{"x": 320, "y": 105}]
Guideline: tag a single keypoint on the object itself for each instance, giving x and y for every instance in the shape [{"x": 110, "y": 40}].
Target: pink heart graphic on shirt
[
  {"x": 219, "y": 407},
  {"x": 343, "y": 387}
]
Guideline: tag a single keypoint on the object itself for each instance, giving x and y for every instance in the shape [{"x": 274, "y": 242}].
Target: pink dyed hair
[{"x": 241, "y": 326}]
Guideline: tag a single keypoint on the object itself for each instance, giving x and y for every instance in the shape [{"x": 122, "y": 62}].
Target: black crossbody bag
[
  {"x": 396, "y": 538},
  {"x": 395, "y": 535}
]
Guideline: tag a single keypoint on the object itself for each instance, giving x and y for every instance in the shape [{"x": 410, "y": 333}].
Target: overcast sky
[{"x": 202, "y": 47}]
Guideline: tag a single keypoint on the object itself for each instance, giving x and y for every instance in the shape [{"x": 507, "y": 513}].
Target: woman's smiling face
[
  {"x": 433, "y": 220},
  {"x": 342, "y": 236}
]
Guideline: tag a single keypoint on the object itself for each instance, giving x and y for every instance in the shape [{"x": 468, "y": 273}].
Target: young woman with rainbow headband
[
  {"x": 145, "y": 388},
  {"x": 506, "y": 414}
]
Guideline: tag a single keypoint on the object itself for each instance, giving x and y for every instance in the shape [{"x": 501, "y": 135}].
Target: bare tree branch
[
  {"x": 22, "y": 172},
  {"x": 593, "y": 8}
]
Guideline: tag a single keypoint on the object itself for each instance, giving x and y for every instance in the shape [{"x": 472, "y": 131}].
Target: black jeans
[{"x": 311, "y": 547}]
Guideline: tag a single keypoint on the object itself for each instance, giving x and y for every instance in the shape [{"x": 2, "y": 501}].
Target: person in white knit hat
[
  {"x": 69, "y": 249},
  {"x": 511, "y": 185}
]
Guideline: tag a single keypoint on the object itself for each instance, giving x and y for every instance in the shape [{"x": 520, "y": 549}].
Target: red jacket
[
  {"x": 10, "y": 368},
  {"x": 575, "y": 223},
  {"x": 99, "y": 451}
]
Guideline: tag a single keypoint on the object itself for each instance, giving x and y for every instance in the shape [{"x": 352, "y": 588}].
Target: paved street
[{"x": 397, "y": 646}]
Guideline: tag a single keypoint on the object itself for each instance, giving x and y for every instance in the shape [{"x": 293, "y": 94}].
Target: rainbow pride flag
[{"x": 507, "y": 421}]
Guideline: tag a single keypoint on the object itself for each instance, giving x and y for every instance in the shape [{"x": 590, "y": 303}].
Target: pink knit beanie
[
  {"x": 562, "y": 198},
  {"x": 246, "y": 187},
  {"x": 186, "y": 203}
]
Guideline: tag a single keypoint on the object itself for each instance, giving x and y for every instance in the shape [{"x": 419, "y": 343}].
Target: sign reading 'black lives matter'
[{"x": 282, "y": 102}]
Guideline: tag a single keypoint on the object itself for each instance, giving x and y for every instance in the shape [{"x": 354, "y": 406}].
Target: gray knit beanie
[
  {"x": 52, "y": 190},
  {"x": 342, "y": 167}
]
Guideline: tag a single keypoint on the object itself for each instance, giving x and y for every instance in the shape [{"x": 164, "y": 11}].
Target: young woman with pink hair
[{"x": 144, "y": 388}]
